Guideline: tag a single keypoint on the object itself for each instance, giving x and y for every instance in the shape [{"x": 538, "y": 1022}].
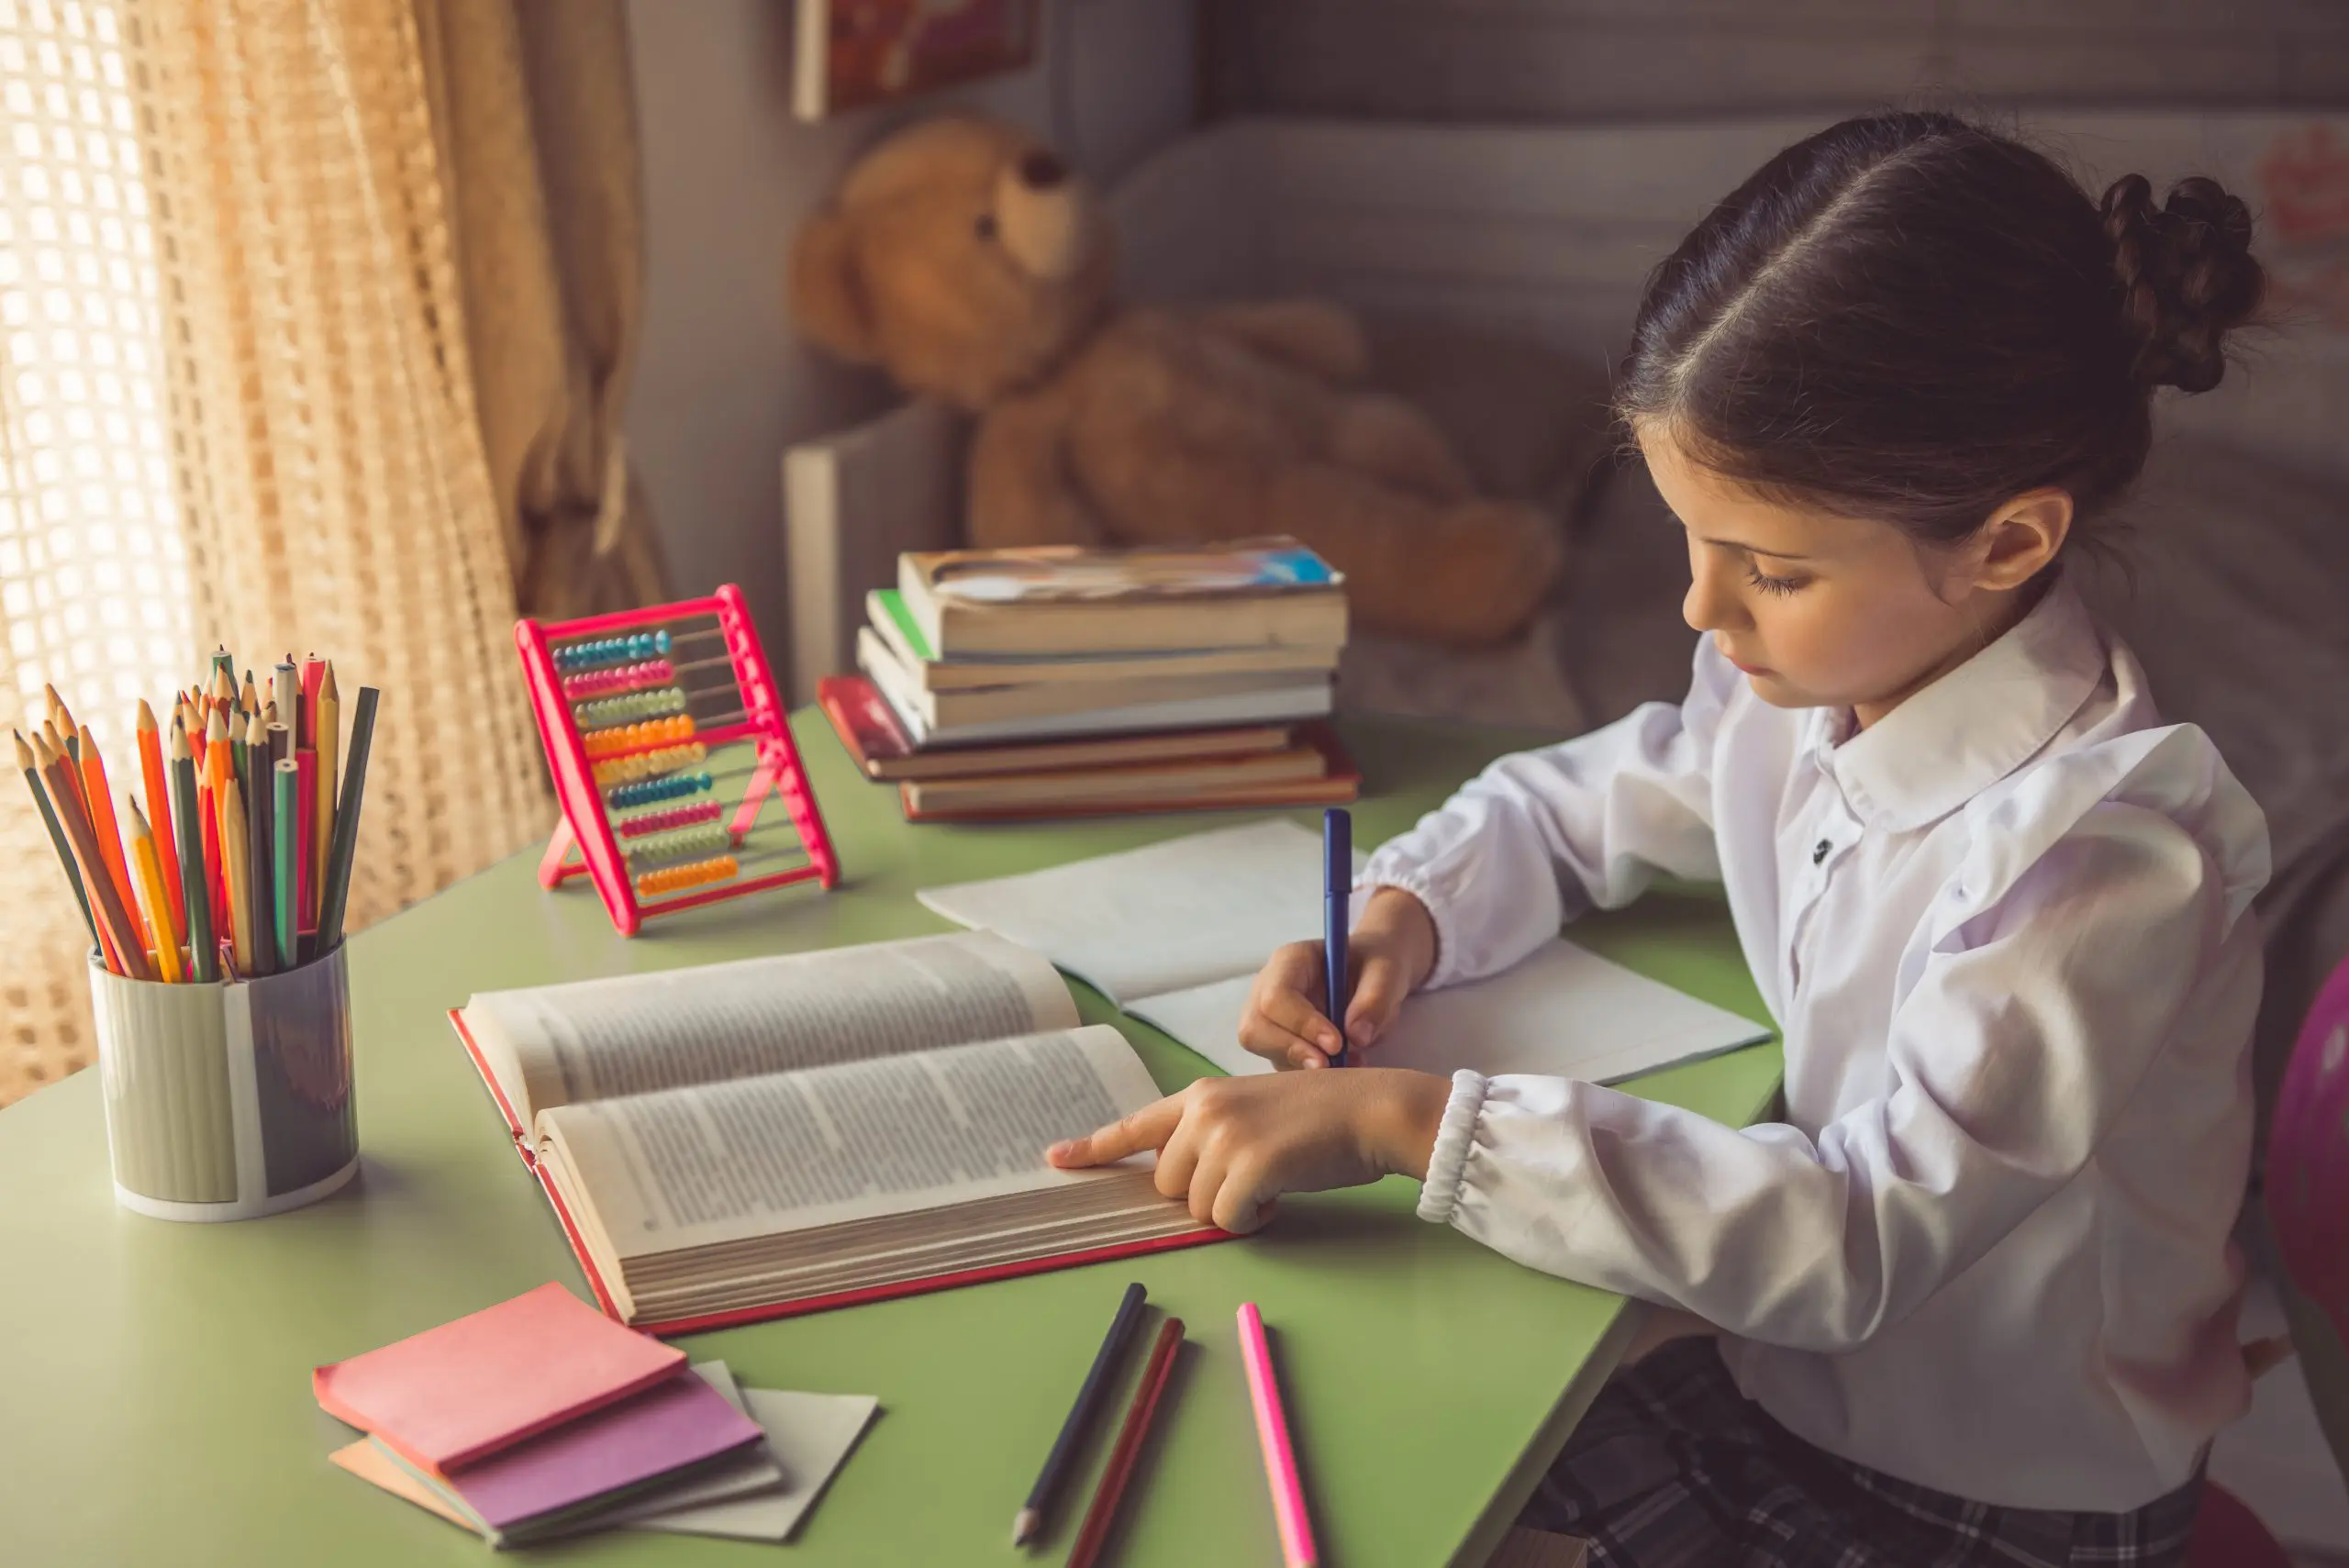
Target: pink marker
[{"x": 1271, "y": 1434}]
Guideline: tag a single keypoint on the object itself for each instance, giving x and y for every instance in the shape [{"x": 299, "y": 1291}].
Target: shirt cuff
[
  {"x": 1413, "y": 881},
  {"x": 1454, "y": 1136}
]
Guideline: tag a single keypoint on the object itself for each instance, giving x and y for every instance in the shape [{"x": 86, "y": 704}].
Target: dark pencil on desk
[
  {"x": 1095, "y": 1387},
  {"x": 1095, "y": 1530}
]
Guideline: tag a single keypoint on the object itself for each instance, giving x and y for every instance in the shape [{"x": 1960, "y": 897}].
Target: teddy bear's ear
[{"x": 827, "y": 298}]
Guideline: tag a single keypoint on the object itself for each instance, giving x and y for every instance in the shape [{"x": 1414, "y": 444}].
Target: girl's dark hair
[{"x": 1909, "y": 318}]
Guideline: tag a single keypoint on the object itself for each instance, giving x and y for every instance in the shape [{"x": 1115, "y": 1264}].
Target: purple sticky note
[{"x": 667, "y": 1426}]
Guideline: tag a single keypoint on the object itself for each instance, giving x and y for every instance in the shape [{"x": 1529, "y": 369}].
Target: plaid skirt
[{"x": 1674, "y": 1468}]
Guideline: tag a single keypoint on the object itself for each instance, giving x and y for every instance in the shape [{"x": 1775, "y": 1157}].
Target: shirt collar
[{"x": 1974, "y": 725}]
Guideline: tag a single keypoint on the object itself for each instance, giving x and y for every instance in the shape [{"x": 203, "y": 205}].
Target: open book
[
  {"x": 1175, "y": 932},
  {"x": 780, "y": 1134}
]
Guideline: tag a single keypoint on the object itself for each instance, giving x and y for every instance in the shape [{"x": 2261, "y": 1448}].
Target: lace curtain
[{"x": 239, "y": 406}]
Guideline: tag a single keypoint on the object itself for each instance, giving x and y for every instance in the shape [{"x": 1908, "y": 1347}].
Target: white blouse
[{"x": 2004, "y": 933}]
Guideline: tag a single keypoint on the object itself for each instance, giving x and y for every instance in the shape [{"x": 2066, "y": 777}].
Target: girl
[{"x": 1974, "y": 1295}]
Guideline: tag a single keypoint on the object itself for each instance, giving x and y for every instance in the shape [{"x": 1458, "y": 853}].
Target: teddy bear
[{"x": 965, "y": 260}]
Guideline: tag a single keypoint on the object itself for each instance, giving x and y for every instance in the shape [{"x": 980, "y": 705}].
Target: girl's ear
[
  {"x": 826, "y": 295},
  {"x": 2021, "y": 538}
]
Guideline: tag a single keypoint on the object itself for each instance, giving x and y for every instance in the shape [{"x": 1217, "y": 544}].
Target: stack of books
[
  {"x": 1065, "y": 682},
  {"x": 539, "y": 1418}
]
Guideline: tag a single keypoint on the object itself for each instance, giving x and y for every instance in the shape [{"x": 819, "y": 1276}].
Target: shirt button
[{"x": 1819, "y": 851}]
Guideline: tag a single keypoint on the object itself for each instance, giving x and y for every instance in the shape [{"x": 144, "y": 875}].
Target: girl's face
[{"x": 1826, "y": 611}]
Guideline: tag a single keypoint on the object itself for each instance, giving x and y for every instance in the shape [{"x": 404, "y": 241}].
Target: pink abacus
[{"x": 642, "y": 798}]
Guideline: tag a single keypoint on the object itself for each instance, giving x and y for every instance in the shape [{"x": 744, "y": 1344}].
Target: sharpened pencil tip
[{"x": 1023, "y": 1527}]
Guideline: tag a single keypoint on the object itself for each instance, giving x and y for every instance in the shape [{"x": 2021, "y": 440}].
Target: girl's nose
[{"x": 1711, "y": 603}]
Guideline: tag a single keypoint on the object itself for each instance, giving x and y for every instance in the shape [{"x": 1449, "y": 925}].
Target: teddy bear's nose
[{"x": 1041, "y": 170}]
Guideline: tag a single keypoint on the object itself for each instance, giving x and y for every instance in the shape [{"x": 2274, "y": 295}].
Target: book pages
[
  {"x": 789, "y": 1151},
  {"x": 1169, "y": 917},
  {"x": 637, "y": 1033},
  {"x": 1563, "y": 1012}
]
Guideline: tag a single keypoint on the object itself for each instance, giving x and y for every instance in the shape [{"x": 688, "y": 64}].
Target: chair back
[{"x": 2307, "y": 1180}]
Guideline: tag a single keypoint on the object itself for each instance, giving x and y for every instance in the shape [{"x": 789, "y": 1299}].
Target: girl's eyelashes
[{"x": 1769, "y": 585}]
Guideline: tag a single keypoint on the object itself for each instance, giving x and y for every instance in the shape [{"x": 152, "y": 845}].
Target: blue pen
[{"x": 1337, "y": 894}]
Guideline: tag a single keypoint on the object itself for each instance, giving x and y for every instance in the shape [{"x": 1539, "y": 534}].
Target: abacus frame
[{"x": 586, "y": 824}]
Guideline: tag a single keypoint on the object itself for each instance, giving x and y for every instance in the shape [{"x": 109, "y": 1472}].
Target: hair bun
[{"x": 2187, "y": 274}]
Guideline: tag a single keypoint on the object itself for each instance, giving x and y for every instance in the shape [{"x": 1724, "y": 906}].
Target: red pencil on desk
[{"x": 1105, "y": 1496}]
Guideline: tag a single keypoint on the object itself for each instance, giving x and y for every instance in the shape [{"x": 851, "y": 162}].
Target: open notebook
[
  {"x": 745, "y": 1139},
  {"x": 1175, "y": 932}
]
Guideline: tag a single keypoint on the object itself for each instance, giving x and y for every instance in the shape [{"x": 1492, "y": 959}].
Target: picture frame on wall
[{"x": 852, "y": 54}]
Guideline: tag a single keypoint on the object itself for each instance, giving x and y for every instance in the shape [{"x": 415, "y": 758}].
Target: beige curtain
[
  {"x": 386, "y": 268},
  {"x": 534, "y": 113}
]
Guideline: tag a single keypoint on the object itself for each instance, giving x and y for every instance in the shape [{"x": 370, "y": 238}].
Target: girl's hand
[
  {"x": 1389, "y": 953},
  {"x": 1233, "y": 1145}
]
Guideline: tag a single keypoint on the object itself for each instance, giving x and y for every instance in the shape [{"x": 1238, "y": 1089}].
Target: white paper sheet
[
  {"x": 1175, "y": 932},
  {"x": 809, "y": 1435},
  {"x": 1166, "y": 918},
  {"x": 1565, "y": 1012}
]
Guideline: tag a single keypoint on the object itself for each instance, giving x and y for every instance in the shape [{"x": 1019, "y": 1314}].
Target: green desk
[{"x": 155, "y": 1378}]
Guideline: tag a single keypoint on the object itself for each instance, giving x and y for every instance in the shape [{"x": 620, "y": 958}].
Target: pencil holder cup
[{"x": 228, "y": 1101}]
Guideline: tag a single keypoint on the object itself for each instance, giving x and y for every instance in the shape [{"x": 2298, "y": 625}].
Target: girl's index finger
[{"x": 1148, "y": 1128}]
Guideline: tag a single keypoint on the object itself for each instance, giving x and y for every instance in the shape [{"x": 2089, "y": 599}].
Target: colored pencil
[
  {"x": 218, "y": 751},
  {"x": 1271, "y": 1435},
  {"x": 285, "y": 692},
  {"x": 337, "y": 891},
  {"x": 146, "y": 863},
  {"x": 314, "y": 847},
  {"x": 278, "y": 737},
  {"x": 249, "y": 697},
  {"x": 99, "y": 800},
  {"x": 305, "y": 797},
  {"x": 236, "y": 864},
  {"x": 1095, "y": 1530},
  {"x": 215, "y": 882},
  {"x": 255, "y": 794},
  {"x": 1089, "y": 1396},
  {"x": 286, "y": 844},
  {"x": 329, "y": 754},
  {"x": 159, "y": 818},
  {"x": 196, "y": 883},
  {"x": 224, "y": 663},
  {"x": 31, "y": 766},
  {"x": 63, "y": 717},
  {"x": 239, "y": 764},
  {"x": 118, "y": 933},
  {"x": 56, "y": 743},
  {"x": 314, "y": 673},
  {"x": 219, "y": 765}
]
